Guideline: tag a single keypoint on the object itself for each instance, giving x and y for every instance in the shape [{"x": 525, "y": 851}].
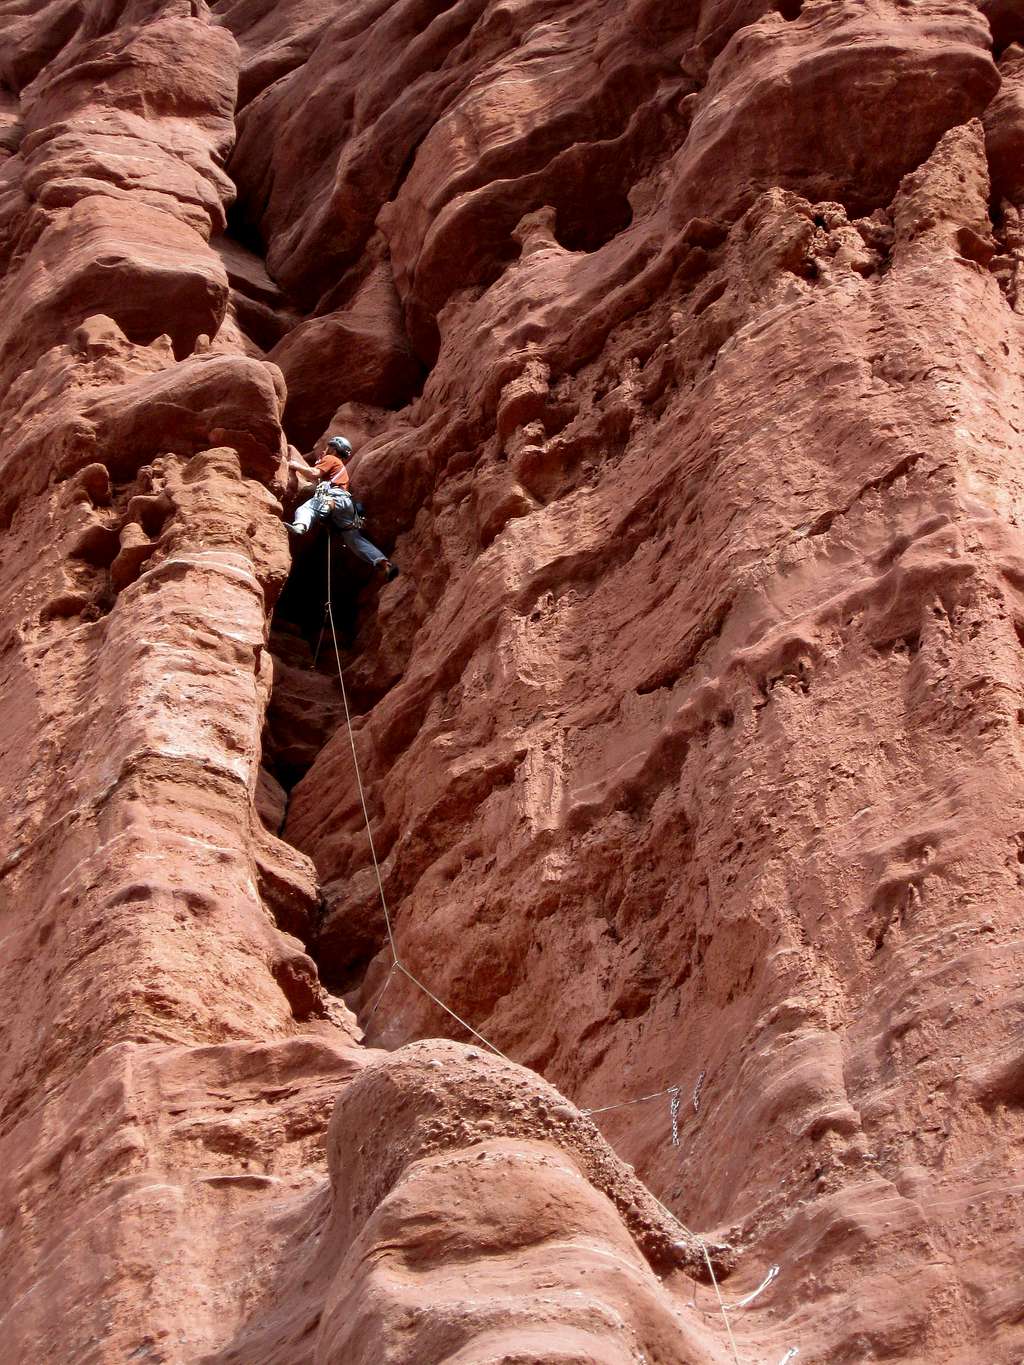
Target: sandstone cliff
[{"x": 681, "y": 346}]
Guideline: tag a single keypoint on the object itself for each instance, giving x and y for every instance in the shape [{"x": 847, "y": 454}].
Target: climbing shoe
[
  {"x": 295, "y": 528},
  {"x": 387, "y": 570}
]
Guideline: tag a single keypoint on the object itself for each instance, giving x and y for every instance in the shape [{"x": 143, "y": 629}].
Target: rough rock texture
[
  {"x": 681, "y": 348},
  {"x": 453, "y": 1171}
]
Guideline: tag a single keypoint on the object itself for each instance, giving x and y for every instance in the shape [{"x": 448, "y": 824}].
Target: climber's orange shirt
[{"x": 331, "y": 468}]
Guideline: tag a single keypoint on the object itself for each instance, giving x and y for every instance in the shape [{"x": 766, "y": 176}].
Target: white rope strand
[
  {"x": 749, "y": 1298},
  {"x": 396, "y": 961},
  {"x": 355, "y": 759},
  {"x": 640, "y": 1099},
  {"x": 711, "y": 1270},
  {"x": 721, "y": 1302},
  {"x": 458, "y": 1018},
  {"x": 380, "y": 996}
]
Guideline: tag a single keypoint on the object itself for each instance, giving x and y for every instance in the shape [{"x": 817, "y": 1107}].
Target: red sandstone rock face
[{"x": 680, "y": 348}]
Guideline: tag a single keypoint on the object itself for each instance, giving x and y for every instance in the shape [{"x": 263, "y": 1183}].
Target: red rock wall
[{"x": 681, "y": 350}]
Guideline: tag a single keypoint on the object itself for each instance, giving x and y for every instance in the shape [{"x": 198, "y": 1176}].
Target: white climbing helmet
[{"x": 341, "y": 447}]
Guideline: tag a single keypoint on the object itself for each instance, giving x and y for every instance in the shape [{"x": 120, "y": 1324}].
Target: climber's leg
[
  {"x": 367, "y": 551},
  {"x": 304, "y": 518}
]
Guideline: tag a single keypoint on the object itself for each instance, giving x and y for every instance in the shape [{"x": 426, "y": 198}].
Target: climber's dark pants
[{"x": 362, "y": 547}]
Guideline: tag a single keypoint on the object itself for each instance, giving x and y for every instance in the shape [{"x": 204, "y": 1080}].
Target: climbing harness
[
  {"x": 398, "y": 965},
  {"x": 334, "y": 504}
]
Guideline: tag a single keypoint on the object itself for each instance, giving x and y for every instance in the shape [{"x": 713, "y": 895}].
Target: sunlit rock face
[{"x": 680, "y": 349}]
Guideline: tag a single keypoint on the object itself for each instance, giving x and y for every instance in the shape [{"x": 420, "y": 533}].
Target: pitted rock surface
[{"x": 680, "y": 348}]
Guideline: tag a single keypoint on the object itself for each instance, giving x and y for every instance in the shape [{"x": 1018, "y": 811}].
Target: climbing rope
[
  {"x": 756, "y": 1293},
  {"x": 640, "y": 1099},
  {"x": 380, "y": 995},
  {"x": 721, "y": 1301},
  {"x": 396, "y": 961},
  {"x": 398, "y": 965}
]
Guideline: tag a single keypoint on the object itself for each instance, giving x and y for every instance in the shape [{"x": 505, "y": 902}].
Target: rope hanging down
[
  {"x": 398, "y": 965},
  {"x": 396, "y": 961}
]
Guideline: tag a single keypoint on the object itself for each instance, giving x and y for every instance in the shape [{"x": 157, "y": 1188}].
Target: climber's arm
[{"x": 300, "y": 466}]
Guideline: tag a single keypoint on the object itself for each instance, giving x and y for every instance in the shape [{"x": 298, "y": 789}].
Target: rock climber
[{"x": 332, "y": 502}]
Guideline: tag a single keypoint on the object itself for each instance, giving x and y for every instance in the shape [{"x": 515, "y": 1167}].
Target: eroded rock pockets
[
  {"x": 577, "y": 110},
  {"x": 612, "y": 407},
  {"x": 171, "y": 1052},
  {"x": 700, "y": 497}
]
